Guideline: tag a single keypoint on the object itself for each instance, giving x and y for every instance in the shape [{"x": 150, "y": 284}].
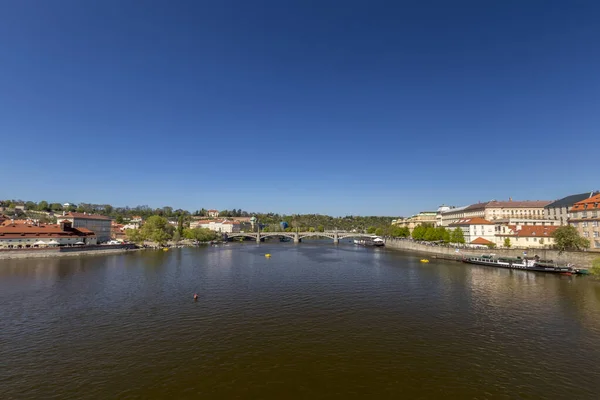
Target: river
[{"x": 313, "y": 321}]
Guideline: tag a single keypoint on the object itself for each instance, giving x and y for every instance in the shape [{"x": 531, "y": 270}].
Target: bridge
[{"x": 297, "y": 236}]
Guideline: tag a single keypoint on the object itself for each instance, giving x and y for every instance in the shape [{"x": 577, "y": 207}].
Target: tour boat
[
  {"x": 370, "y": 241},
  {"x": 523, "y": 264}
]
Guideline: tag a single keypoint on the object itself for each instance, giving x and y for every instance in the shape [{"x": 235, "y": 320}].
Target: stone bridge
[{"x": 297, "y": 236}]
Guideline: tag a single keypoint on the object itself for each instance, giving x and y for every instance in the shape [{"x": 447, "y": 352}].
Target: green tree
[
  {"x": 43, "y": 206},
  {"x": 446, "y": 236},
  {"x": 311, "y": 229},
  {"x": 108, "y": 209},
  {"x": 157, "y": 229},
  {"x": 199, "y": 234},
  {"x": 379, "y": 231},
  {"x": 180, "y": 225},
  {"x": 567, "y": 238},
  {"x": 11, "y": 205},
  {"x": 321, "y": 228},
  {"x": 371, "y": 229},
  {"x": 134, "y": 235},
  {"x": 30, "y": 205},
  {"x": 176, "y": 236},
  {"x": 119, "y": 219},
  {"x": 507, "y": 243},
  {"x": 457, "y": 236},
  {"x": 56, "y": 207}
]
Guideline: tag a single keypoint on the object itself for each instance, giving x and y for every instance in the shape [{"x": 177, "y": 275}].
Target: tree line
[{"x": 158, "y": 229}]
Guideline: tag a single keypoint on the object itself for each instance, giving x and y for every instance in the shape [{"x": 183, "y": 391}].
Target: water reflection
[{"x": 343, "y": 320}]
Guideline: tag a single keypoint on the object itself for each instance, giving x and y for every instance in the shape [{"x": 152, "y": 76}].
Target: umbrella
[
  {"x": 39, "y": 243},
  {"x": 53, "y": 242},
  {"x": 79, "y": 243}
]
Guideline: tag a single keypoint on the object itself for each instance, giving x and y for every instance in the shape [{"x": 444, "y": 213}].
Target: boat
[
  {"x": 268, "y": 255},
  {"x": 424, "y": 260},
  {"x": 370, "y": 241},
  {"x": 522, "y": 263}
]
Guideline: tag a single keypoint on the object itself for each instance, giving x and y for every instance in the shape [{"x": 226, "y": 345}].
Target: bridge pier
[
  {"x": 257, "y": 237},
  {"x": 296, "y": 237},
  {"x": 336, "y": 238}
]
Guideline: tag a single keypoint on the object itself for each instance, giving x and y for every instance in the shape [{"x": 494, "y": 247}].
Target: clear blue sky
[{"x": 331, "y": 107}]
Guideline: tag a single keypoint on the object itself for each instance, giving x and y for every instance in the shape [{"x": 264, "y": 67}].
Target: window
[
  {"x": 596, "y": 234},
  {"x": 574, "y": 224},
  {"x": 595, "y": 223},
  {"x": 586, "y": 234},
  {"x": 584, "y": 224}
]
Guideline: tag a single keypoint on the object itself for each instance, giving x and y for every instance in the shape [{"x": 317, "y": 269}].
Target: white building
[
  {"x": 223, "y": 226},
  {"x": 477, "y": 231},
  {"x": 99, "y": 224},
  {"x": 26, "y": 235}
]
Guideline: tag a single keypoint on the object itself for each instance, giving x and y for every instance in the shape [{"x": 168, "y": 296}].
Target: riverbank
[
  {"x": 65, "y": 252},
  {"x": 581, "y": 259}
]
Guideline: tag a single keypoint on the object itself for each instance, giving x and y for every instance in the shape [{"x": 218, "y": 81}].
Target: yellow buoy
[
  {"x": 424, "y": 260},
  {"x": 268, "y": 255},
  {"x": 165, "y": 249}
]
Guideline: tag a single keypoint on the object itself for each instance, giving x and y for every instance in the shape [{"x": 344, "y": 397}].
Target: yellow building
[
  {"x": 424, "y": 217},
  {"x": 515, "y": 209}
]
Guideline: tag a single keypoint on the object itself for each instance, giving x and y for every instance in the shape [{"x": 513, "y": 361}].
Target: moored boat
[{"x": 523, "y": 264}]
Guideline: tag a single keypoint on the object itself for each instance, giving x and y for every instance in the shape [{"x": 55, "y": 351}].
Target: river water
[{"x": 313, "y": 321}]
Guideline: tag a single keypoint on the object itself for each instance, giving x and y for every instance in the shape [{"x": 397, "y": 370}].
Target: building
[
  {"x": 528, "y": 236},
  {"x": 448, "y": 217},
  {"x": 223, "y": 226},
  {"x": 515, "y": 209},
  {"x": 585, "y": 216},
  {"x": 424, "y": 217},
  {"x": 28, "y": 236},
  {"x": 559, "y": 210},
  {"x": 213, "y": 213},
  {"x": 476, "y": 231},
  {"x": 99, "y": 224}
]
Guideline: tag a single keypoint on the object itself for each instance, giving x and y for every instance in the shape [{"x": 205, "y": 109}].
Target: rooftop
[
  {"x": 531, "y": 231},
  {"x": 481, "y": 240},
  {"x": 592, "y": 203},
  {"x": 12, "y": 231},
  {"x": 83, "y": 216},
  {"x": 472, "y": 221},
  {"x": 570, "y": 200}
]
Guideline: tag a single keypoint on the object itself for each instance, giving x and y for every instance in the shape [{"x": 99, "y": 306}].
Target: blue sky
[{"x": 354, "y": 107}]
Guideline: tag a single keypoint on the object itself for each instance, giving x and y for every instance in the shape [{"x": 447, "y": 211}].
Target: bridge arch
[{"x": 316, "y": 234}]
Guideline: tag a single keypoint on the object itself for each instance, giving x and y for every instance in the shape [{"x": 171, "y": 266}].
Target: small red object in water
[{"x": 195, "y": 296}]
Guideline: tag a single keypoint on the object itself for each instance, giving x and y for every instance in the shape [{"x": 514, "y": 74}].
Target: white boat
[{"x": 370, "y": 241}]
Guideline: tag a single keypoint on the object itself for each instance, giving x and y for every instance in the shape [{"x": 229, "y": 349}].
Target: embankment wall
[{"x": 582, "y": 259}]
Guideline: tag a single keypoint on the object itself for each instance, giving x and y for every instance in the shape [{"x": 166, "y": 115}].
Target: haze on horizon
[{"x": 293, "y": 107}]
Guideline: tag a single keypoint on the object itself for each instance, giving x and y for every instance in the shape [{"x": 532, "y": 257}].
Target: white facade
[{"x": 217, "y": 226}]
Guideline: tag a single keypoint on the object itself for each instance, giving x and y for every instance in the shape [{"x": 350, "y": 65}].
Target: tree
[
  {"x": 321, "y": 228},
  {"x": 419, "y": 232},
  {"x": 157, "y": 229},
  {"x": 108, "y": 209},
  {"x": 180, "y": 225},
  {"x": 56, "y": 207},
  {"x": 457, "y": 236},
  {"x": 379, "y": 231},
  {"x": 507, "y": 243},
  {"x": 134, "y": 235},
  {"x": 30, "y": 205},
  {"x": 567, "y": 238},
  {"x": 199, "y": 234},
  {"x": 371, "y": 230},
  {"x": 311, "y": 229},
  {"x": 119, "y": 219},
  {"x": 43, "y": 206},
  {"x": 176, "y": 237},
  {"x": 11, "y": 205}
]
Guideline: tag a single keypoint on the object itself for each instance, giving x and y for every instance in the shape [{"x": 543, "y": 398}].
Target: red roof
[
  {"x": 531, "y": 231},
  {"x": 13, "y": 231},
  {"x": 82, "y": 216},
  {"x": 472, "y": 221},
  {"x": 593, "y": 203},
  {"x": 481, "y": 240}
]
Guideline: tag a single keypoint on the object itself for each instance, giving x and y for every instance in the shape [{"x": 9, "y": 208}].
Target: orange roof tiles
[
  {"x": 518, "y": 204},
  {"x": 51, "y": 230},
  {"x": 593, "y": 203},
  {"x": 531, "y": 231},
  {"x": 481, "y": 240},
  {"x": 472, "y": 221}
]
